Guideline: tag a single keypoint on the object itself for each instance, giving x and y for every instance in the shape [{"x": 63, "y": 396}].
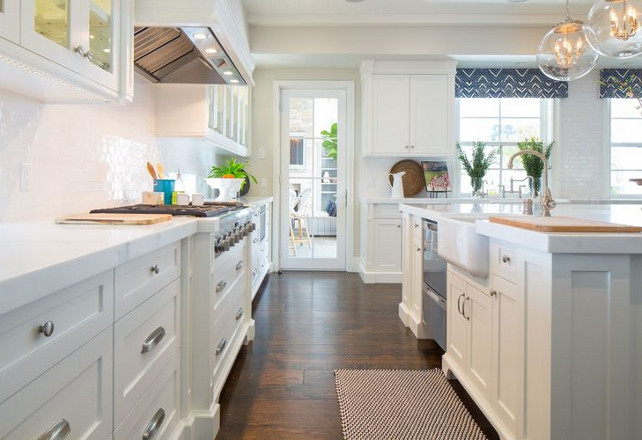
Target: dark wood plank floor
[{"x": 307, "y": 325}]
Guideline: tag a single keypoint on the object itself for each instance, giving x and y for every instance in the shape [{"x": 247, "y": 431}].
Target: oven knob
[
  {"x": 218, "y": 246},
  {"x": 229, "y": 240},
  {"x": 253, "y": 227},
  {"x": 237, "y": 236},
  {"x": 226, "y": 244}
]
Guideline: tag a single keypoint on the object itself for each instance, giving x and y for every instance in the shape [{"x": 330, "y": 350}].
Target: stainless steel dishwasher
[{"x": 434, "y": 285}]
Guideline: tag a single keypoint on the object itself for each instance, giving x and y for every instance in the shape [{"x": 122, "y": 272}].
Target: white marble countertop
[
  {"x": 257, "y": 200},
  {"x": 558, "y": 242},
  {"x": 40, "y": 257},
  {"x": 491, "y": 201}
]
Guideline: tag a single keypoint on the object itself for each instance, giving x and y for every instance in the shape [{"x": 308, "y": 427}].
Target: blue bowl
[{"x": 166, "y": 186}]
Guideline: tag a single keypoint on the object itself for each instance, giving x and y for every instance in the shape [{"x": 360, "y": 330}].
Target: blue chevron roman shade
[
  {"x": 507, "y": 83},
  {"x": 621, "y": 83}
]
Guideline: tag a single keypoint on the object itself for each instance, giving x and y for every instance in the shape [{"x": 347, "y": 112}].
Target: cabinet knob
[
  {"x": 84, "y": 53},
  {"x": 493, "y": 293},
  {"x": 418, "y": 249},
  {"x": 412, "y": 146},
  {"x": 155, "y": 268},
  {"x": 506, "y": 258},
  {"x": 58, "y": 431},
  {"x": 46, "y": 329},
  {"x": 398, "y": 226}
]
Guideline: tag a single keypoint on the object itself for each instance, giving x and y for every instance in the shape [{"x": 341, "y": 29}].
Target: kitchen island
[{"x": 545, "y": 333}]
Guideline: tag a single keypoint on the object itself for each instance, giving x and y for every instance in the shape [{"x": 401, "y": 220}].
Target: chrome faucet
[{"x": 546, "y": 200}]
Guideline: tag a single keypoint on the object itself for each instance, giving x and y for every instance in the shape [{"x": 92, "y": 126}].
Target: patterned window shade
[
  {"x": 621, "y": 83},
  {"x": 507, "y": 83}
]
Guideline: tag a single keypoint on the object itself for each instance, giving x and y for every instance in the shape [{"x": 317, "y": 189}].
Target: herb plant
[
  {"x": 533, "y": 164},
  {"x": 480, "y": 162},
  {"x": 232, "y": 170}
]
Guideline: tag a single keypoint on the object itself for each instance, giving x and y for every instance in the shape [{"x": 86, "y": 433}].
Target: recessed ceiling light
[
  {"x": 234, "y": 81},
  {"x": 107, "y": 50},
  {"x": 228, "y": 73},
  {"x": 210, "y": 50},
  {"x": 199, "y": 36},
  {"x": 91, "y": 37}
]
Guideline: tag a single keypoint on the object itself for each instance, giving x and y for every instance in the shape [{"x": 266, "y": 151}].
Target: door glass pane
[
  {"x": 313, "y": 178},
  {"x": 100, "y": 33},
  {"x": 52, "y": 20}
]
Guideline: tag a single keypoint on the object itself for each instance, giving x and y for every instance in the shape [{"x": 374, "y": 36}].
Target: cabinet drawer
[
  {"x": 387, "y": 210},
  {"x": 227, "y": 270},
  {"x": 227, "y": 318},
  {"x": 144, "y": 341},
  {"x": 417, "y": 234},
  {"x": 505, "y": 262},
  {"x": 139, "y": 279},
  {"x": 78, "y": 391},
  {"x": 75, "y": 315},
  {"x": 160, "y": 404}
]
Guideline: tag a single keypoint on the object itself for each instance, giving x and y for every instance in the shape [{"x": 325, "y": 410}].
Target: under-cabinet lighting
[
  {"x": 199, "y": 36},
  {"x": 228, "y": 73},
  {"x": 234, "y": 81},
  {"x": 211, "y": 50}
]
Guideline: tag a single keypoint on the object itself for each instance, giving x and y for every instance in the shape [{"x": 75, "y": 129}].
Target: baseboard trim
[{"x": 379, "y": 277}]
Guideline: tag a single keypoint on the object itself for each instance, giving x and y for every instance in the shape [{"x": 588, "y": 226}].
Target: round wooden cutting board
[{"x": 413, "y": 180}]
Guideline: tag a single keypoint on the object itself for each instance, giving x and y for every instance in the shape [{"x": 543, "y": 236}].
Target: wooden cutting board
[
  {"x": 114, "y": 219},
  {"x": 562, "y": 224}
]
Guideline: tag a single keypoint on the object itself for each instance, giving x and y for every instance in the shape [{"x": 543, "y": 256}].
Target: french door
[{"x": 312, "y": 179}]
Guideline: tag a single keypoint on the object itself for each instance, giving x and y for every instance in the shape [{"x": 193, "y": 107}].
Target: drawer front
[
  {"x": 227, "y": 270},
  {"x": 225, "y": 323},
  {"x": 139, "y": 279},
  {"x": 386, "y": 210},
  {"x": 144, "y": 341},
  {"x": 505, "y": 262},
  {"x": 159, "y": 407},
  {"x": 417, "y": 234},
  {"x": 76, "y": 392},
  {"x": 73, "y": 316}
]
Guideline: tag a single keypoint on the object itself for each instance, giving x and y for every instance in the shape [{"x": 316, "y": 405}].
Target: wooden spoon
[
  {"x": 160, "y": 170},
  {"x": 151, "y": 171}
]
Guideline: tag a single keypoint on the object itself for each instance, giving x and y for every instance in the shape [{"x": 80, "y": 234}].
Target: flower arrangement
[{"x": 478, "y": 165}]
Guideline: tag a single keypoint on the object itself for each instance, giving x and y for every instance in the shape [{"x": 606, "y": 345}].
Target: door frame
[{"x": 349, "y": 88}]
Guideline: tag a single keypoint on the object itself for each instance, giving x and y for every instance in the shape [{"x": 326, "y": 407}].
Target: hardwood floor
[{"x": 307, "y": 325}]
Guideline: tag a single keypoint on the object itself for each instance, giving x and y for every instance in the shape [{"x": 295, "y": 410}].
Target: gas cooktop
[{"x": 210, "y": 209}]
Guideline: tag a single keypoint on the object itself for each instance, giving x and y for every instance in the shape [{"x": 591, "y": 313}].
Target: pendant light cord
[{"x": 568, "y": 12}]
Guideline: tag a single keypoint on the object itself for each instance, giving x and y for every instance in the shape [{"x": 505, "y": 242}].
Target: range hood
[{"x": 183, "y": 55}]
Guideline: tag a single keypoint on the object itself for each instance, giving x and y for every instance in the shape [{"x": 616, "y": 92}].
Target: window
[
  {"x": 501, "y": 123},
  {"x": 626, "y": 147},
  {"x": 297, "y": 151}
]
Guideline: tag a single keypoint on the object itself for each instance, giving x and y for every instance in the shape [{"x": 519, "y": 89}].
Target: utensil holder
[{"x": 166, "y": 186}]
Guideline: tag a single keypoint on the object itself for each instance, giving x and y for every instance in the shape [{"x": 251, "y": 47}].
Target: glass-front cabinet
[
  {"x": 10, "y": 20},
  {"x": 229, "y": 109},
  {"x": 81, "y": 35}
]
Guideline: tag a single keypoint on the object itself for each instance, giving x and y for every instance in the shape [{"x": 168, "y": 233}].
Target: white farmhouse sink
[{"x": 461, "y": 245}]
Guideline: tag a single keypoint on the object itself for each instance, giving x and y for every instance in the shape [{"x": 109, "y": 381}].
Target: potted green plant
[
  {"x": 330, "y": 142},
  {"x": 230, "y": 178},
  {"x": 533, "y": 165},
  {"x": 477, "y": 166}
]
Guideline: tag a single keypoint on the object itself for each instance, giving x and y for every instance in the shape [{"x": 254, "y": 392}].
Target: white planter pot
[{"x": 227, "y": 188}]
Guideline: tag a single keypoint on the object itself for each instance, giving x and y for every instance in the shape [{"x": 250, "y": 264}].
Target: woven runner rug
[{"x": 402, "y": 404}]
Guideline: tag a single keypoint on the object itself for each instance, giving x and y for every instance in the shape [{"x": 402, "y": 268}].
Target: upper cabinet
[
  {"x": 71, "y": 50},
  {"x": 219, "y": 114},
  {"x": 408, "y": 108},
  {"x": 10, "y": 20}
]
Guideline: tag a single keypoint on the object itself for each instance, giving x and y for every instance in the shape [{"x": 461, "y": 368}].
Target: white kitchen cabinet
[
  {"x": 10, "y": 20},
  {"x": 408, "y": 108},
  {"x": 216, "y": 113},
  {"x": 381, "y": 243},
  {"x": 260, "y": 240},
  {"x": 69, "y": 51},
  {"x": 470, "y": 324}
]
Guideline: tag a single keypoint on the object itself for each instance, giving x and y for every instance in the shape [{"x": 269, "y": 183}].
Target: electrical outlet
[{"x": 25, "y": 177}]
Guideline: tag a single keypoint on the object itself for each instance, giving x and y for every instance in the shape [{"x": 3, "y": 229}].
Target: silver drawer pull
[
  {"x": 255, "y": 241},
  {"x": 59, "y": 431},
  {"x": 239, "y": 313},
  {"x": 154, "y": 424},
  {"x": 220, "y": 346},
  {"x": 155, "y": 268},
  {"x": 153, "y": 340},
  {"x": 505, "y": 258},
  {"x": 239, "y": 265},
  {"x": 46, "y": 329},
  {"x": 220, "y": 286}
]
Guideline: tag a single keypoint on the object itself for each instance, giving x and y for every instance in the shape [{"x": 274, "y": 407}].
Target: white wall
[{"x": 84, "y": 156}]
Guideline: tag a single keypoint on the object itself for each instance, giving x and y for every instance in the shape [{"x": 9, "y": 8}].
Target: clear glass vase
[
  {"x": 477, "y": 184},
  {"x": 535, "y": 185}
]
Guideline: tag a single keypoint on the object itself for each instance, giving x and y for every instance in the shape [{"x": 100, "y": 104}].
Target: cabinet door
[
  {"x": 417, "y": 278},
  {"x": 390, "y": 113},
  {"x": 508, "y": 354},
  {"x": 478, "y": 310},
  {"x": 10, "y": 20},
  {"x": 79, "y": 35},
  {"x": 387, "y": 245},
  {"x": 429, "y": 114},
  {"x": 457, "y": 324}
]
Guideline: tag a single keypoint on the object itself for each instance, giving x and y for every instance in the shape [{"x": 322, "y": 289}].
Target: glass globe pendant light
[
  {"x": 614, "y": 28},
  {"x": 564, "y": 53}
]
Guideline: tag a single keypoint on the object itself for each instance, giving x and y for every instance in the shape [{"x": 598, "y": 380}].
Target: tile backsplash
[{"x": 86, "y": 156}]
